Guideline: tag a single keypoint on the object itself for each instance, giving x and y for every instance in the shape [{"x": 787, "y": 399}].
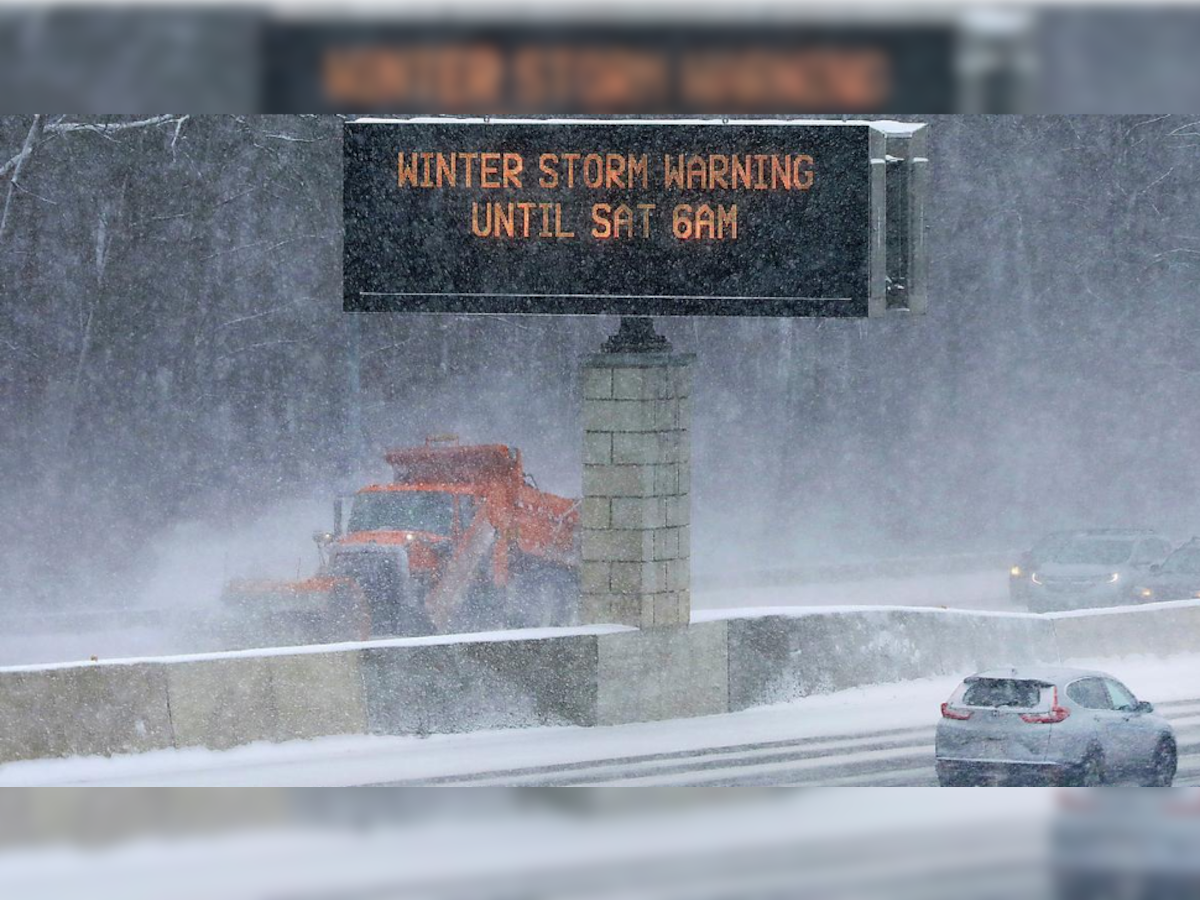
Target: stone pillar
[{"x": 636, "y": 479}]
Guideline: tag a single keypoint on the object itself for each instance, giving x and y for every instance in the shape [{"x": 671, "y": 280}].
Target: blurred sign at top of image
[{"x": 691, "y": 62}]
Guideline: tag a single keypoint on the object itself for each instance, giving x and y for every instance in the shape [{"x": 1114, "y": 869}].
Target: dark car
[
  {"x": 1087, "y": 568},
  {"x": 1178, "y": 578},
  {"x": 1028, "y": 562}
]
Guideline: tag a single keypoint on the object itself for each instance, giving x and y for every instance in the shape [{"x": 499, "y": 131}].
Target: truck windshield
[
  {"x": 431, "y": 511},
  {"x": 1047, "y": 546}
]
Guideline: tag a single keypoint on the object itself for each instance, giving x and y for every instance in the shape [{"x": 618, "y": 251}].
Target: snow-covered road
[{"x": 881, "y": 735}]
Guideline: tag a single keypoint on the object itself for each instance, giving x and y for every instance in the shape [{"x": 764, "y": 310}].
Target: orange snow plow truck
[{"x": 460, "y": 540}]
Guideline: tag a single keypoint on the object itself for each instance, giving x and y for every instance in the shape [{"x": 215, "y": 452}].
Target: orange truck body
[
  {"x": 502, "y": 552},
  {"x": 528, "y": 522}
]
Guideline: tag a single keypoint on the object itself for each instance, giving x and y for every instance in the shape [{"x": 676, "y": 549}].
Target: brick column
[{"x": 636, "y": 478}]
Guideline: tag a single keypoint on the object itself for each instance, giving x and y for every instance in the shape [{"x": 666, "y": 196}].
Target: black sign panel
[{"x": 631, "y": 217}]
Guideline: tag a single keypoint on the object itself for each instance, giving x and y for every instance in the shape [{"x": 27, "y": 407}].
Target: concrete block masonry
[
  {"x": 591, "y": 675},
  {"x": 636, "y": 544},
  {"x": 662, "y": 673}
]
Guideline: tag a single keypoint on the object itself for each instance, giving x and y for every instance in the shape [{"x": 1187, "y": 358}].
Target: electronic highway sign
[{"x": 633, "y": 217}]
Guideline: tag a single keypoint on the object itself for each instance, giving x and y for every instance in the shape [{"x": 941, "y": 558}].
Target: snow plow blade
[{"x": 318, "y": 610}]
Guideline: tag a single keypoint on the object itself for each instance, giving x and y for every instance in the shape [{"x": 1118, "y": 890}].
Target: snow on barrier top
[{"x": 433, "y": 640}]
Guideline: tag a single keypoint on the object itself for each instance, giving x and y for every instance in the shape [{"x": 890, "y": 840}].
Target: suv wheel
[
  {"x": 1162, "y": 772},
  {"x": 1091, "y": 770},
  {"x": 954, "y": 778}
]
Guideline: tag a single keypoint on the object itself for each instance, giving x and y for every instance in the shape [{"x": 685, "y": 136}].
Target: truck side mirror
[{"x": 337, "y": 516}]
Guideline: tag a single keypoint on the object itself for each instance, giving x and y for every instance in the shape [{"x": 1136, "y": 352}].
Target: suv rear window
[{"x": 1003, "y": 692}]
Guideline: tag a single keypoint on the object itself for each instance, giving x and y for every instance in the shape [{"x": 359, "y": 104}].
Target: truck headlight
[
  {"x": 1034, "y": 578},
  {"x": 1015, "y": 571},
  {"x": 1114, "y": 577}
]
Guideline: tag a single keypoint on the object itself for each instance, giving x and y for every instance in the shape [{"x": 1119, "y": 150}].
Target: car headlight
[
  {"x": 1034, "y": 578},
  {"x": 1114, "y": 577},
  {"x": 1015, "y": 571}
]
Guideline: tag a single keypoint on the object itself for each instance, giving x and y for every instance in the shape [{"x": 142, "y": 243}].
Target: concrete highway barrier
[
  {"x": 776, "y": 658},
  {"x": 1155, "y": 629},
  {"x": 84, "y": 711},
  {"x": 665, "y": 673},
  {"x": 222, "y": 702},
  {"x": 594, "y": 675},
  {"x": 424, "y": 687}
]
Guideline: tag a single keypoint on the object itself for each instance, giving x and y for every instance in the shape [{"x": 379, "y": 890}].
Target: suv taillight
[
  {"x": 1054, "y": 716},
  {"x": 958, "y": 715}
]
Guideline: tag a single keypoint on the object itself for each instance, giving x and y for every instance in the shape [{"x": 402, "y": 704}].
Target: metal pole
[{"x": 636, "y": 334}]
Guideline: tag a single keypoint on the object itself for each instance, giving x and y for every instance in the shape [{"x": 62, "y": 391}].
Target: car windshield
[
  {"x": 1003, "y": 692},
  {"x": 431, "y": 511},
  {"x": 1186, "y": 561},
  {"x": 1047, "y": 546},
  {"x": 1093, "y": 552}
]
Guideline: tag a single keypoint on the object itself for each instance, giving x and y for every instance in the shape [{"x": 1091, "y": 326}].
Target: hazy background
[{"x": 176, "y": 364}]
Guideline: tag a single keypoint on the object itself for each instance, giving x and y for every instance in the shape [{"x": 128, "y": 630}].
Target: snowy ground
[{"x": 876, "y": 735}]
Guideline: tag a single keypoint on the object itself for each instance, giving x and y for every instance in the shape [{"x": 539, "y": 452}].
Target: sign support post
[{"x": 636, "y": 512}]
